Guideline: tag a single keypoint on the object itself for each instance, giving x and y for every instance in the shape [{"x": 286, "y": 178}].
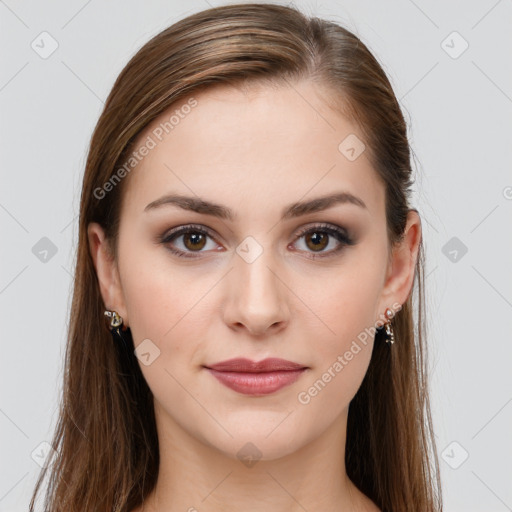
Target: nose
[{"x": 256, "y": 297}]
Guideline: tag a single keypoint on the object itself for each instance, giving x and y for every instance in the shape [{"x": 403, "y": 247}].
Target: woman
[{"x": 246, "y": 232}]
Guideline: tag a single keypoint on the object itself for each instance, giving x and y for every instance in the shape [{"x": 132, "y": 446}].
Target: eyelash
[{"x": 338, "y": 233}]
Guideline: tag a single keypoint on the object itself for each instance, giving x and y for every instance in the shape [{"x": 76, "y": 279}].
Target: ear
[
  {"x": 106, "y": 270},
  {"x": 400, "y": 273}
]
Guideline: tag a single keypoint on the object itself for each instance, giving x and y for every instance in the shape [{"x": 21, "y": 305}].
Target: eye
[
  {"x": 194, "y": 239},
  {"x": 318, "y": 237}
]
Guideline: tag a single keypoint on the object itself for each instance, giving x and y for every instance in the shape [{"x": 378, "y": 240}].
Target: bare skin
[{"x": 255, "y": 152}]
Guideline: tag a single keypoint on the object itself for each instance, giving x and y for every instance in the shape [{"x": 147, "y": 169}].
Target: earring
[
  {"x": 116, "y": 322},
  {"x": 125, "y": 352},
  {"x": 390, "y": 335}
]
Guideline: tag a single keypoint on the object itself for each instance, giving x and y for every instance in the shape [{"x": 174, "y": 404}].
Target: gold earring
[
  {"x": 116, "y": 322},
  {"x": 390, "y": 335}
]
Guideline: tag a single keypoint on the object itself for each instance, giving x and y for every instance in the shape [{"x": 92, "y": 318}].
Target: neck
[{"x": 195, "y": 476}]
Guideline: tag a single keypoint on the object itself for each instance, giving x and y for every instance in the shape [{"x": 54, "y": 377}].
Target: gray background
[{"x": 458, "y": 105}]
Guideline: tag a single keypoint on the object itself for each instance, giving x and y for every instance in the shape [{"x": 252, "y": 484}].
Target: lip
[
  {"x": 256, "y": 378},
  {"x": 241, "y": 364}
]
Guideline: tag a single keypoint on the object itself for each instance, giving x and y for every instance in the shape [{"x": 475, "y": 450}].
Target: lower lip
[{"x": 257, "y": 383}]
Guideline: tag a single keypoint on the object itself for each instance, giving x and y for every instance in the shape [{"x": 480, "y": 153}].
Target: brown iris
[
  {"x": 194, "y": 241},
  {"x": 319, "y": 240}
]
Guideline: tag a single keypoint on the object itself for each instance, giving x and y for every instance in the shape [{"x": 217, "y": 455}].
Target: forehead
[{"x": 237, "y": 144}]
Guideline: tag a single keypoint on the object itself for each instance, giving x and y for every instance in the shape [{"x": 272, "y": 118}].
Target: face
[{"x": 255, "y": 274}]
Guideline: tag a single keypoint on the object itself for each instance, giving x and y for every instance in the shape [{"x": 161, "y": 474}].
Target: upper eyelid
[
  {"x": 323, "y": 225},
  {"x": 209, "y": 231},
  {"x": 180, "y": 230}
]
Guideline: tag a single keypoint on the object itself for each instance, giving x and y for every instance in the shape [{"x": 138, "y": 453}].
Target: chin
[{"x": 254, "y": 443}]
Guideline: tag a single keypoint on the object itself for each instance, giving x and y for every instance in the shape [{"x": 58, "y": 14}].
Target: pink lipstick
[{"x": 256, "y": 378}]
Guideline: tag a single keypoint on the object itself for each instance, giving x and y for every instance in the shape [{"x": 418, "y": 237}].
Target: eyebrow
[{"x": 198, "y": 205}]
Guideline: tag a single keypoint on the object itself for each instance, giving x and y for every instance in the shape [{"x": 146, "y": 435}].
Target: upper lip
[{"x": 240, "y": 364}]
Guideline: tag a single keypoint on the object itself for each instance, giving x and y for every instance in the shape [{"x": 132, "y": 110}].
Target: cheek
[
  {"x": 170, "y": 311},
  {"x": 342, "y": 355},
  {"x": 163, "y": 308},
  {"x": 340, "y": 365},
  {"x": 159, "y": 298},
  {"x": 347, "y": 306}
]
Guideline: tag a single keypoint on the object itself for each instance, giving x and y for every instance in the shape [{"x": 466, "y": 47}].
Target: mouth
[{"x": 256, "y": 378}]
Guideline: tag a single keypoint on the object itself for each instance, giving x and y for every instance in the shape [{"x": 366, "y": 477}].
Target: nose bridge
[{"x": 257, "y": 298}]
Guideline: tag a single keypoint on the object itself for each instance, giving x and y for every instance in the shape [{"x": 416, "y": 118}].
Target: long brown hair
[{"x": 106, "y": 443}]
